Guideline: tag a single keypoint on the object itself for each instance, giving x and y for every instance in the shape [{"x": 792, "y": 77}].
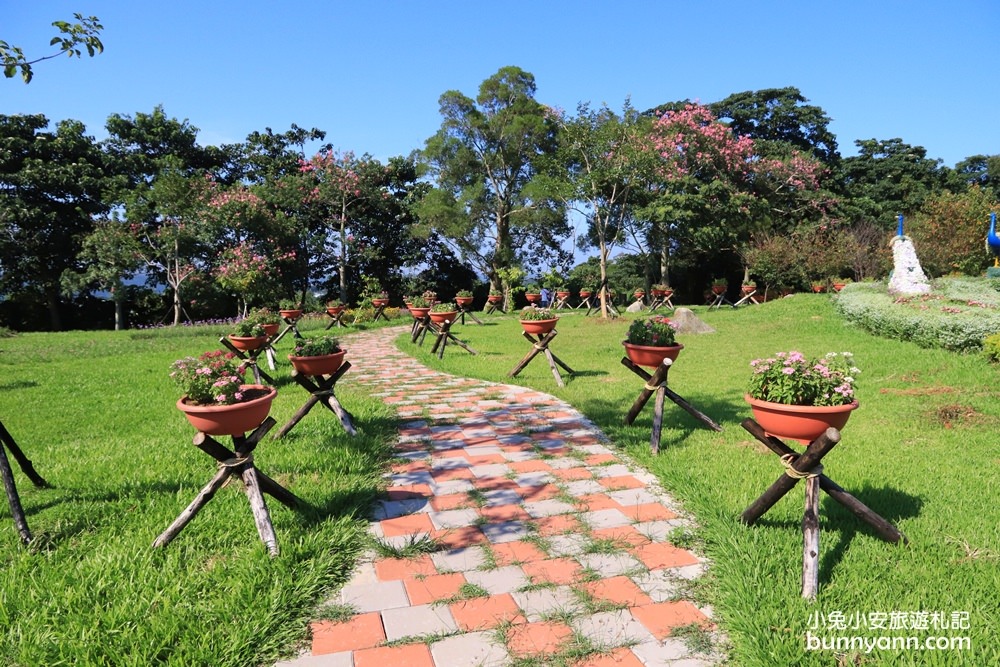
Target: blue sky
[{"x": 370, "y": 72}]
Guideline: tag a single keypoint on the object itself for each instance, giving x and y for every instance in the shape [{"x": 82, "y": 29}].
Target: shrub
[
  {"x": 463, "y": 293},
  {"x": 534, "y": 314},
  {"x": 419, "y": 302},
  {"x": 317, "y": 346},
  {"x": 656, "y": 331},
  {"x": 991, "y": 348},
  {"x": 958, "y": 315},
  {"x": 443, "y": 308}
]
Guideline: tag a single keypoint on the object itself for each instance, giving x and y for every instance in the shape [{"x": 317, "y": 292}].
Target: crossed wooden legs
[
  {"x": 657, "y": 383},
  {"x": 13, "y": 500},
  {"x": 237, "y": 463},
  {"x": 807, "y": 466},
  {"x": 542, "y": 345},
  {"x": 321, "y": 389}
]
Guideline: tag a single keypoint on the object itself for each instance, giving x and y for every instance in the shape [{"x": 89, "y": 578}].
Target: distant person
[{"x": 545, "y": 297}]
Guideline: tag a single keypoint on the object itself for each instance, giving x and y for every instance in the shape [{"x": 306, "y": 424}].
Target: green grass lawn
[
  {"x": 95, "y": 412},
  {"x": 921, "y": 451}
]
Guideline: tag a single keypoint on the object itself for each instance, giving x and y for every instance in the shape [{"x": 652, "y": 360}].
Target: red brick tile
[
  {"x": 497, "y": 513},
  {"x": 554, "y": 570},
  {"x": 509, "y": 553},
  {"x": 407, "y": 655},
  {"x": 543, "y": 638},
  {"x": 458, "y": 538},
  {"x": 598, "y": 459},
  {"x": 485, "y": 613},
  {"x": 408, "y": 491},
  {"x": 454, "y": 473},
  {"x": 531, "y": 465},
  {"x": 404, "y": 568},
  {"x": 621, "y": 483},
  {"x": 412, "y": 466},
  {"x": 558, "y": 525},
  {"x": 569, "y": 474},
  {"x": 657, "y": 555},
  {"x": 544, "y": 492},
  {"x": 648, "y": 512},
  {"x": 435, "y": 587},
  {"x": 451, "y": 501},
  {"x": 662, "y": 617},
  {"x": 362, "y": 631},
  {"x": 494, "y": 484},
  {"x": 597, "y": 501},
  {"x": 484, "y": 459},
  {"x": 406, "y": 525},
  {"x": 620, "y": 657},
  {"x": 618, "y": 590},
  {"x": 624, "y": 535}
]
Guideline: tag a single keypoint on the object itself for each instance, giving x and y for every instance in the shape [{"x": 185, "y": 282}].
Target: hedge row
[{"x": 958, "y": 314}]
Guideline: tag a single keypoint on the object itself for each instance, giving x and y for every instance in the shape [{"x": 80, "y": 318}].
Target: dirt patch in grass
[
  {"x": 955, "y": 414},
  {"x": 919, "y": 391}
]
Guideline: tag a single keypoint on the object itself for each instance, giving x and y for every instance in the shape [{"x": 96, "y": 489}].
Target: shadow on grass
[{"x": 20, "y": 384}]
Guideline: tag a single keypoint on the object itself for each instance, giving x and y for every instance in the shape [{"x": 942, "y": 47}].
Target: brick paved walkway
[{"x": 548, "y": 545}]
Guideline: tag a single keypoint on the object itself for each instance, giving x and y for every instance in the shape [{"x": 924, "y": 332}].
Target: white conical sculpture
[{"x": 907, "y": 276}]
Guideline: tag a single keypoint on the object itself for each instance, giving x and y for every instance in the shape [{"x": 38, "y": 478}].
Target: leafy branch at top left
[{"x": 72, "y": 39}]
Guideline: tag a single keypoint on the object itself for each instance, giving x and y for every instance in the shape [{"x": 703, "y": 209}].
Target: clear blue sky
[{"x": 369, "y": 72}]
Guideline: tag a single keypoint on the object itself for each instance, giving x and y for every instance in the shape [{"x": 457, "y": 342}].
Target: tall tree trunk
[
  {"x": 604, "y": 276},
  {"x": 343, "y": 252},
  {"x": 52, "y": 303},
  {"x": 118, "y": 297}
]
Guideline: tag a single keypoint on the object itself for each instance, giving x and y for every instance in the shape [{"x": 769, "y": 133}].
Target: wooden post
[
  {"x": 23, "y": 461},
  {"x": 542, "y": 345},
  {"x": 206, "y": 494},
  {"x": 654, "y": 440},
  {"x": 321, "y": 390},
  {"x": 261, "y": 517},
  {"x": 810, "y": 540}
]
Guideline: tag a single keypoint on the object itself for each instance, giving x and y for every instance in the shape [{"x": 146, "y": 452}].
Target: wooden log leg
[
  {"x": 269, "y": 353},
  {"x": 13, "y": 500},
  {"x": 552, "y": 365},
  {"x": 799, "y": 467},
  {"x": 691, "y": 410},
  {"x": 26, "y": 467},
  {"x": 297, "y": 417},
  {"x": 261, "y": 517},
  {"x": 462, "y": 345},
  {"x": 810, "y": 540},
  {"x": 535, "y": 349},
  {"x": 562, "y": 363},
  {"x": 653, "y": 381},
  {"x": 342, "y": 414},
  {"x": 189, "y": 512},
  {"x": 654, "y": 441},
  {"x": 883, "y": 528}
]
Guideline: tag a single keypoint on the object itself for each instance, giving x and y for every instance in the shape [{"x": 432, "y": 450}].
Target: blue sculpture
[{"x": 992, "y": 240}]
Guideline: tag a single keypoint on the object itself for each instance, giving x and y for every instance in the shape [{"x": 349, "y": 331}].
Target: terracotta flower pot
[
  {"x": 650, "y": 355},
  {"x": 533, "y": 297},
  {"x": 270, "y": 329},
  {"x": 419, "y": 313},
  {"x": 463, "y": 301},
  {"x": 324, "y": 364},
  {"x": 380, "y": 302},
  {"x": 495, "y": 298},
  {"x": 335, "y": 310},
  {"x": 562, "y": 295},
  {"x": 290, "y": 313},
  {"x": 247, "y": 343},
  {"x": 667, "y": 293},
  {"x": 235, "y": 419},
  {"x": 441, "y": 318},
  {"x": 747, "y": 289},
  {"x": 539, "y": 326},
  {"x": 799, "y": 422},
  {"x": 657, "y": 292},
  {"x": 838, "y": 286},
  {"x": 718, "y": 289}
]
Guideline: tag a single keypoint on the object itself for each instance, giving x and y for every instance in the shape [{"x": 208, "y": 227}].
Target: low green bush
[{"x": 959, "y": 313}]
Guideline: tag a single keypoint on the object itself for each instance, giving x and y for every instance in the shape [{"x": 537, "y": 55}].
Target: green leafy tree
[
  {"x": 600, "y": 170},
  {"x": 71, "y": 38},
  {"x": 482, "y": 160},
  {"x": 981, "y": 170},
  {"x": 888, "y": 177},
  {"x": 949, "y": 232},
  {"x": 779, "y": 119},
  {"x": 51, "y": 186}
]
